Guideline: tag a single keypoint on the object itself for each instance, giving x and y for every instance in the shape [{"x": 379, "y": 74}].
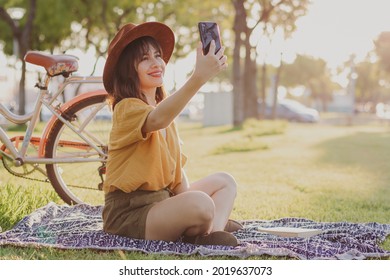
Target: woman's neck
[{"x": 150, "y": 97}]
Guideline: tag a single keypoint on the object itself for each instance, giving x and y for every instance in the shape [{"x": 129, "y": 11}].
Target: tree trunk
[
  {"x": 239, "y": 29},
  {"x": 22, "y": 90},
  {"x": 250, "y": 76},
  {"x": 23, "y": 36},
  {"x": 263, "y": 89},
  {"x": 275, "y": 89},
  {"x": 238, "y": 108}
]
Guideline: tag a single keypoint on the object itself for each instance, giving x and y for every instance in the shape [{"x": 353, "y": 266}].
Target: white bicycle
[{"x": 73, "y": 144}]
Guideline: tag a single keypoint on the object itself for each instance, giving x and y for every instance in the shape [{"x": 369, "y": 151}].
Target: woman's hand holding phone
[
  {"x": 210, "y": 54},
  {"x": 209, "y": 65}
]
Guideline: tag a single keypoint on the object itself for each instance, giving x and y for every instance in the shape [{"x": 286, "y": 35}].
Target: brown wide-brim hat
[{"x": 128, "y": 33}]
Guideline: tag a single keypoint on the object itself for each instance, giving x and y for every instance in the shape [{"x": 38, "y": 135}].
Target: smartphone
[{"x": 209, "y": 31}]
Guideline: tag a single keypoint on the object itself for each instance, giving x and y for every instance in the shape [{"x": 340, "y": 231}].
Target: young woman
[{"x": 147, "y": 194}]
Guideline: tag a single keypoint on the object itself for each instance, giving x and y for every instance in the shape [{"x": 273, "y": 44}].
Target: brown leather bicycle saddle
[{"x": 54, "y": 65}]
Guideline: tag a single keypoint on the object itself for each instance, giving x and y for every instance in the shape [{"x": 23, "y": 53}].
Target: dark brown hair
[{"x": 125, "y": 79}]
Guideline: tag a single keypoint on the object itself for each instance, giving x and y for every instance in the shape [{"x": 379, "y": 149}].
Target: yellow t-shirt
[{"x": 136, "y": 162}]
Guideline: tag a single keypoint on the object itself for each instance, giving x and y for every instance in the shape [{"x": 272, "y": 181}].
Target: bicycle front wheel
[{"x": 79, "y": 146}]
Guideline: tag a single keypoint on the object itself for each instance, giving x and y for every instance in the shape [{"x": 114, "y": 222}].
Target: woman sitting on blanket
[{"x": 147, "y": 194}]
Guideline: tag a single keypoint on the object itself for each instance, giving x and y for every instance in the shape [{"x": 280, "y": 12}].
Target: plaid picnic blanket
[{"x": 80, "y": 227}]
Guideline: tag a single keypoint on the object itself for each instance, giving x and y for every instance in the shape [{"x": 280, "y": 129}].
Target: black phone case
[{"x": 209, "y": 31}]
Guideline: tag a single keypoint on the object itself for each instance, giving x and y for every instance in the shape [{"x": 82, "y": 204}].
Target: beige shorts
[{"x": 125, "y": 213}]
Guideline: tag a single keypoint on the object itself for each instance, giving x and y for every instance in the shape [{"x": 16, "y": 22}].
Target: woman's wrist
[{"x": 197, "y": 80}]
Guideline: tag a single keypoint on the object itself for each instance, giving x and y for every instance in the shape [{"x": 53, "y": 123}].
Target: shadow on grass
[
  {"x": 370, "y": 151},
  {"x": 365, "y": 195}
]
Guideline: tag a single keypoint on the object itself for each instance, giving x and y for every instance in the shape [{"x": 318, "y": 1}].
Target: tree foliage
[
  {"x": 382, "y": 49},
  {"x": 252, "y": 20},
  {"x": 367, "y": 83},
  {"x": 59, "y": 25},
  {"x": 372, "y": 82},
  {"x": 56, "y": 26},
  {"x": 312, "y": 73},
  {"x": 372, "y": 75},
  {"x": 21, "y": 34}
]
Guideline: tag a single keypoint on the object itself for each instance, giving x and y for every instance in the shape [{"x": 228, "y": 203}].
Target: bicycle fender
[{"x": 63, "y": 108}]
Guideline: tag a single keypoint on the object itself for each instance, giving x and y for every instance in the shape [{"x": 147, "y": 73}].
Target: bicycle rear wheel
[{"x": 85, "y": 140}]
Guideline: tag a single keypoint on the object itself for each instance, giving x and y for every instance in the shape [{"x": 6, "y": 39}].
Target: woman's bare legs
[
  {"x": 204, "y": 208},
  {"x": 188, "y": 213},
  {"x": 222, "y": 188}
]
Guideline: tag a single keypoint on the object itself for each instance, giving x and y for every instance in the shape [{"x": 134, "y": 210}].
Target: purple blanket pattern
[{"x": 80, "y": 227}]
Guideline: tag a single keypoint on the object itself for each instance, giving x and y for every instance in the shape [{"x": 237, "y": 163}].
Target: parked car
[{"x": 292, "y": 110}]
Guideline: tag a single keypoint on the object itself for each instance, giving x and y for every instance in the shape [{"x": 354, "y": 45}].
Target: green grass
[
  {"x": 19, "y": 201},
  {"x": 17, "y": 128},
  {"x": 321, "y": 172},
  {"x": 250, "y": 137}
]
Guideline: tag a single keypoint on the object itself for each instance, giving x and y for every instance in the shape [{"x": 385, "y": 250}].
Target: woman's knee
[
  {"x": 228, "y": 182},
  {"x": 200, "y": 206}
]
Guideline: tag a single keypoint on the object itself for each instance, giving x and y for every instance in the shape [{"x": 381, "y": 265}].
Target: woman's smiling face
[{"x": 151, "y": 70}]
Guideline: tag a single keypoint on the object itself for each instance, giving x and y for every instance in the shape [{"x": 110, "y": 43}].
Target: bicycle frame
[{"x": 48, "y": 101}]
